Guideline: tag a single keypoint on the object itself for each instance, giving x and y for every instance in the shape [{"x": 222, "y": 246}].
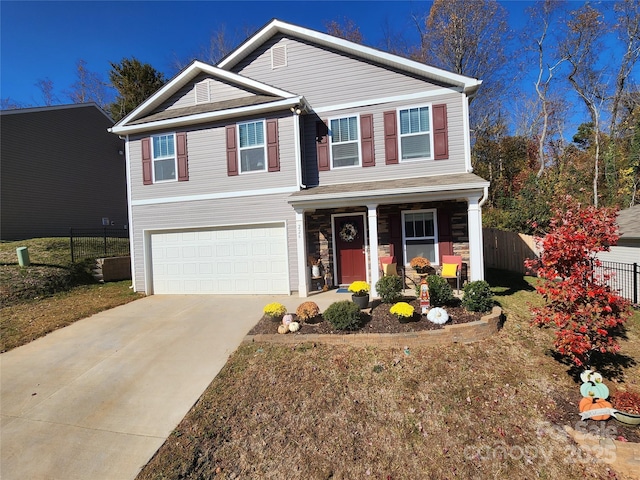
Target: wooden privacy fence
[{"x": 508, "y": 250}]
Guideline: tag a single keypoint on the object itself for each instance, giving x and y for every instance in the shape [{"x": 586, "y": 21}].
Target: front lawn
[
  {"x": 50, "y": 293},
  {"x": 494, "y": 409}
]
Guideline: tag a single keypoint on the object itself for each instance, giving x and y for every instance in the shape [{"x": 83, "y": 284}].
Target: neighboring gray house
[
  {"x": 60, "y": 168},
  {"x": 299, "y": 144},
  {"x": 627, "y": 251}
]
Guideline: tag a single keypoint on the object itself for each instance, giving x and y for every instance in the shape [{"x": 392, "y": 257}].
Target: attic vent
[
  {"x": 278, "y": 56},
  {"x": 203, "y": 92}
]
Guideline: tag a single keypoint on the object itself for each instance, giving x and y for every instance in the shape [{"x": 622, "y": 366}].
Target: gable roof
[
  {"x": 68, "y": 109},
  {"x": 467, "y": 84},
  {"x": 144, "y": 117}
]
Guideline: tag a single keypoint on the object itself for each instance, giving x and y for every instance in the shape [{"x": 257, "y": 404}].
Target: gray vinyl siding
[
  {"x": 622, "y": 253},
  {"x": 219, "y": 91},
  {"x": 60, "y": 169},
  {"x": 211, "y": 213},
  {"x": 207, "y": 160},
  {"x": 327, "y": 77},
  {"x": 454, "y": 164}
]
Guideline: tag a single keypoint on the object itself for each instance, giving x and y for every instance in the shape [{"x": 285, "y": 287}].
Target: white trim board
[{"x": 214, "y": 196}]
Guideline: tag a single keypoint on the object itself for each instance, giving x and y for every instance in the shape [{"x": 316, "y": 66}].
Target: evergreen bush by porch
[{"x": 343, "y": 315}]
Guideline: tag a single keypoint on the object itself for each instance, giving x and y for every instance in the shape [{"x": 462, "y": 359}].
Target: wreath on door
[{"x": 348, "y": 232}]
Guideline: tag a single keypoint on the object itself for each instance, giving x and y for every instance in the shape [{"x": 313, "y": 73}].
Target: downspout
[
  {"x": 484, "y": 198},
  {"x": 130, "y": 211},
  {"x": 298, "y": 155}
]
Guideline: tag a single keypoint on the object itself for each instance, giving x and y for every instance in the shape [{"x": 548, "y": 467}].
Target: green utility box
[{"x": 23, "y": 256}]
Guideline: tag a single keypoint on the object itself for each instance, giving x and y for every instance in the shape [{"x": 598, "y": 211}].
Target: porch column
[
  {"x": 476, "y": 253},
  {"x": 301, "y": 242},
  {"x": 373, "y": 248}
]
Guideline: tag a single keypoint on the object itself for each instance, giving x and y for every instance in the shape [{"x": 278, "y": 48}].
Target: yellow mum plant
[
  {"x": 275, "y": 310},
  {"x": 359, "y": 288},
  {"x": 402, "y": 310}
]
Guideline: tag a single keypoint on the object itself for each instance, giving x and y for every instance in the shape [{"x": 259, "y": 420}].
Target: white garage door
[{"x": 236, "y": 260}]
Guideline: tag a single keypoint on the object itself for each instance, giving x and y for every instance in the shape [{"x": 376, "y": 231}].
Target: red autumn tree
[{"x": 579, "y": 304}]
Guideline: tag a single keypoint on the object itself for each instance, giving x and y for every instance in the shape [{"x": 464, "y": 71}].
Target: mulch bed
[{"x": 379, "y": 320}]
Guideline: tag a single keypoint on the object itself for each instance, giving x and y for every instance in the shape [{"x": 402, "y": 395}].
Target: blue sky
[{"x": 45, "y": 39}]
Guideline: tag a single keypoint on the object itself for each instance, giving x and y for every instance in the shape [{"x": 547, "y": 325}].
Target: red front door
[{"x": 350, "y": 249}]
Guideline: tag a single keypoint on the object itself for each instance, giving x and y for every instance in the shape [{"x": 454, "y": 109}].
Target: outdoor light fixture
[{"x": 297, "y": 109}]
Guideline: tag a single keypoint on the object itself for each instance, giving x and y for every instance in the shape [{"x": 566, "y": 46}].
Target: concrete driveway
[{"x": 95, "y": 400}]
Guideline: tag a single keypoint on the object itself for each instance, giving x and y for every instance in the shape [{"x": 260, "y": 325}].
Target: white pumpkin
[
  {"x": 287, "y": 319},
  {"x": 294, "y": 326},
  {"x": 283, "y": 328},
  {"x": 438, "y": 316}
]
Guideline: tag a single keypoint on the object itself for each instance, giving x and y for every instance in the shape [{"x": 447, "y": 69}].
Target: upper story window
[
  {"x": 252, "y": 146},
  {"x": 419, "y": 234},
  {"x": 164, "y": 157},
  {"x": 345, "y": 148},
  {"x": 415, "y": 133}
]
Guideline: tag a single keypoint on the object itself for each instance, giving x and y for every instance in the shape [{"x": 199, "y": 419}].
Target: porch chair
[
  {"x": 388, "y": 266},
  {"x": 452, "y": 268}
]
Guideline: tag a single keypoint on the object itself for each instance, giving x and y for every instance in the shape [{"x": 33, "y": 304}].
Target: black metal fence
[
  {"x": 625, "y": 279},
  {"x": 98, "y": 242}
]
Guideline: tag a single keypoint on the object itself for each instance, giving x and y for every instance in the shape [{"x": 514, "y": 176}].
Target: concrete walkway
[{"x": 96, "y": 399}]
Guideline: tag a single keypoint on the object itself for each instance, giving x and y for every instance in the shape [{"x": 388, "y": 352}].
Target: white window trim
[
  {"x": 358, "y": 141},
  {"x": 435, "y": 235},
  {"x": 400, "y": 135},
  {"x": 264, "y": 146},
  {"x": 175, "y": 158}
]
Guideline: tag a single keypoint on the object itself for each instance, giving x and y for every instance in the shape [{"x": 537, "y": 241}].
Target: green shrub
[
  {"x": 389, "y": 288},
  {"x": 440, "y": 292},
  {"x": 343, "y": 315},
  {"x": 477, "y": 296}
]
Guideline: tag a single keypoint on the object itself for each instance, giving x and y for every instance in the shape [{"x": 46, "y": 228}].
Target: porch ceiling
[{"x": 384, "y": 192}]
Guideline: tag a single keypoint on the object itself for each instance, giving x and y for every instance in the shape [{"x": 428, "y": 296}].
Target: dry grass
[
  {"x": 23, "y": 323},
  {"x": 317, "y": 412},
  {"x": 50, "y": 293}
]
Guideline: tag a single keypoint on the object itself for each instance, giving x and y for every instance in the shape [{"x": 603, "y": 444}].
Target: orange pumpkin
[{"x": 590, "y": 403}]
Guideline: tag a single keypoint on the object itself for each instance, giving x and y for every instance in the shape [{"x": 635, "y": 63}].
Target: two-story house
[{"x": 296, "y": 145}]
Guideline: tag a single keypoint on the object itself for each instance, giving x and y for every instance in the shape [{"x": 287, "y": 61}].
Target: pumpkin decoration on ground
[
  {"x": 283, "y": 328},
  {"x": 589, "y": 403},
  {"x": 594, "y": 395},
  {"x": 287, "y": 319},
  {"x": 294, "y": 327}
]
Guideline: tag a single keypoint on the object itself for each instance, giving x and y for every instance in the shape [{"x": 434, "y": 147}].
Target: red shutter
[
  {"x": 273, "y": 155},
  {"x": 322, "y": 146},
  {"x": 390, "y": 138},
  {"x": 232, "y": 151},
  {"x": 147, "y": 174},
  {"x": 183, "y": 168},
  {"x": 366, "y": 133},
  {"x": 440, "y": 132}
]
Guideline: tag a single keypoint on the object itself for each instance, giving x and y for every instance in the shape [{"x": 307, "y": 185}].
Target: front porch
[{"x": 348, "y": 228}]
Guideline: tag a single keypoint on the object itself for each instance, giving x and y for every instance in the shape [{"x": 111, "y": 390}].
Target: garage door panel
[{"x": 239, "y": 260}]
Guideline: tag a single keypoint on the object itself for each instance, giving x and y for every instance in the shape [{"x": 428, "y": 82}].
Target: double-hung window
[
  {"x": 165, "y": 163},
  {"x": 420, "y": 237},
  {"x": 415, "y": 133},
  {"x": 252, "y": 146},
  {"x": 345, "y": 148}
]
